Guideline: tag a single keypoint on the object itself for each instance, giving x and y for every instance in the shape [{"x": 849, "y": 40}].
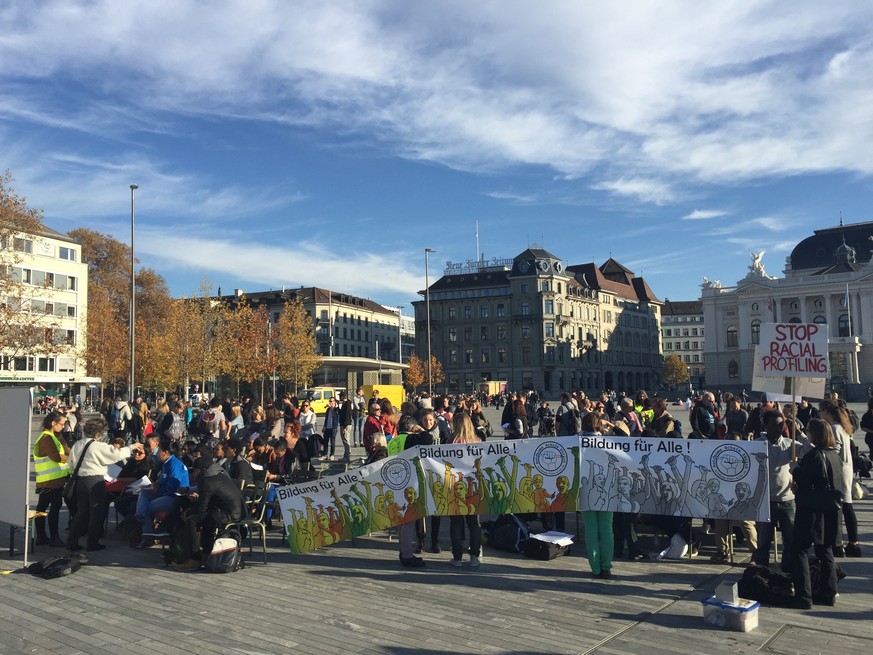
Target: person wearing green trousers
[{"x": 599, "y": 538}]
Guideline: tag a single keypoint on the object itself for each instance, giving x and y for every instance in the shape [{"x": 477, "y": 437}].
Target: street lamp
[
  {"x": 427, "y": 252},
  {"x": 130, "y": 397}
]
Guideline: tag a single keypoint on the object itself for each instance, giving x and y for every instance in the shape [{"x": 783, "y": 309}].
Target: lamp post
[
  {"x": 427, "y": 252},
  {"x": 131, "y": 395}
]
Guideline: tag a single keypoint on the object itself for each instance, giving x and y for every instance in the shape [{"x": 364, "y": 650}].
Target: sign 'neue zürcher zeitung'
[{"x": 794, "y": 350}]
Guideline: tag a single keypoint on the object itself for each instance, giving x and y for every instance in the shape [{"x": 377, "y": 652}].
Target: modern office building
[
  {"x": 682, "y": 334},
  {"x": 538, "y": 325},
  {"x": 828, "y": 279},
  {"x": 44, "y": 297}
]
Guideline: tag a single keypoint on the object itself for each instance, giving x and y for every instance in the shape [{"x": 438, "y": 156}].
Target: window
[
  {"x": 525, "y": 355},
  {"x": 821, "y": 320},
  {"x": 486, "y": 355},
  {"x": 693, "y": 332},
  {"x": 468, "y": 334},
  {"x": 468, "y": 356},
  {"x": 483, "y": 333},
  {"x": 71, "y": 311},
  {"x": 550, "y": 329},
  {"x": 66, "y": 365},
  {"x": 549, "y": 307},
  {"x": 695, "y": 345},
  {"x": 501, "y": 310},
  {"x": 843, "y": 325},
  {"x": 524, "y": 287},
  {"x": 24, "y": 245},
  {"x": 468, "y": 312},
  {"x": 453, "y": 356},
  {"x": 501, "y": 332},
  {"x": 323, "y": 315},
  {"x": 525, "y": 309},
  {"x": 71, "y": 283},
  {"x": 453, "y": 334},
  {"x": 686, "y": 345},
  {"x": 668, "y": 332},
  {"x": 545, "y": 285},
  {"x": 755, "y": 307},
  {"x": 345, "y": 333},
  {"x": 49, "y": 308},
  {"x": 756, "y": 331},
  {"x": 668, "y": 345},
  {"x": 501, "y": 355},
  {"x": 483, "y": 311},
  {"x": 685, "y": 332},
  {"x": 733, "y": 369},
  {"x": 46, "y": 364},
  {"x": 525, "y": 331},
  {"x": 732, "y": 338},
  {"x": 695, "y": 358},
  {"x": 453, "y": 313},
  {"x": 550, "y": 353},
  {"x": 70, "y": 337},
  {"x": 67, "y": 253}
]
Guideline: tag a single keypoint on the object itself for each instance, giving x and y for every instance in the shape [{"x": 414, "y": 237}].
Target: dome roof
[{"x": 824, "y": 246}]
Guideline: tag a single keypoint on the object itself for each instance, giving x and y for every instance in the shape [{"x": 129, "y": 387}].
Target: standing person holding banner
[
  {"x": 599, "y": 539},
  {"x": 838, "y": 418},
  {"x": 464, "y": 432}
]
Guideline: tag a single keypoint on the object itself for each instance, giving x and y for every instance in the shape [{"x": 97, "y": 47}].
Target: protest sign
[
  {"x": 496, "y": 477},
  {"x": 699, "y": 478},
  {"x": 786, "y": 389},
  {"x": 793, "y": 350}
]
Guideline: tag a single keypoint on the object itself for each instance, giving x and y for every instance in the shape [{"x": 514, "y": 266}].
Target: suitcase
[{"x": 543, "y": 550}]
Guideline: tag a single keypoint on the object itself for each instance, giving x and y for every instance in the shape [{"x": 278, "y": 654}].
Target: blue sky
[{"x": 299, "y": 143}]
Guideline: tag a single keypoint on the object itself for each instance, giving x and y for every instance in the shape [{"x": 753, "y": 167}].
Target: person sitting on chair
[{"x": 161, "y": 497}]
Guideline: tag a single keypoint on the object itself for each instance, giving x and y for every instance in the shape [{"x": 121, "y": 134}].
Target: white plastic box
[{"x": 741, "y": 616}]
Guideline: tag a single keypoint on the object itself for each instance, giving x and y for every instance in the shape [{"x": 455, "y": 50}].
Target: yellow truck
[{"x": 393, "y": 392}]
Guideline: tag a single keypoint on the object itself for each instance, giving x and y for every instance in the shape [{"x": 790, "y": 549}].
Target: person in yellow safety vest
[{"x": 50, "y": 461}]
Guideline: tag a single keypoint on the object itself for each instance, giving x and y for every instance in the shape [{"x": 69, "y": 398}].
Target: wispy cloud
[
  {"x": 644, "y": 190},
  {"x": 236, "y": 256},
  {"x": 704, "y": 214}
]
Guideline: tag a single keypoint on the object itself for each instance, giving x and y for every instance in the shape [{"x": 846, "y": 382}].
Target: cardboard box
[{"x": 741, "y": 616}]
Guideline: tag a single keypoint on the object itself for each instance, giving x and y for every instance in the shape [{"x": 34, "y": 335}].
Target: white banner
[{"x": 700, "y": 478}]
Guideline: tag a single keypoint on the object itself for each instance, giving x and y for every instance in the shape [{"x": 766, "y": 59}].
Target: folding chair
[{"x": 256, "y": 521}]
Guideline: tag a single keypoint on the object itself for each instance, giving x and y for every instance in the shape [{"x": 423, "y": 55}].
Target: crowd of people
[{"x": 180, "y": 448}]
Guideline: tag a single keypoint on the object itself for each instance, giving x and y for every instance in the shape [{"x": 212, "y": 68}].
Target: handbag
[
  {"x": 859, "y": 491},
  {"x": 825, "y": 499},
  {"x": 69, "y": 492}
]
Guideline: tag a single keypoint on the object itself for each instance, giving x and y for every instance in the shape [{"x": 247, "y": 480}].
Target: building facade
[
  {"x": 535, "y": 324},
  {"x": 828, "y": 279},
  {"x": 682, "y": 334},
  {"x": 44, "y": 303},
  {"x": 361, "y": 341}
]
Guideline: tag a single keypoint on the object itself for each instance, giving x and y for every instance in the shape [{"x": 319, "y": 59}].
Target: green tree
[{"x": 675, "y": 370}]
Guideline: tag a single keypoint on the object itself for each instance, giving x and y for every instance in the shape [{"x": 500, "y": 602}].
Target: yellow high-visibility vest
[{"x": 46, "y": 468}]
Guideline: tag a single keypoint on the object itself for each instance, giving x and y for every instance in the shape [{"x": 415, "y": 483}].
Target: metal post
[
  {"x": 427, "y": 252},
  {"x": 132, "y": 389}
]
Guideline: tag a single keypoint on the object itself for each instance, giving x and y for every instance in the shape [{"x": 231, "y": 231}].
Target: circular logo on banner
[
  {"x": 550, "y": 458},
  {"x": 396, "y": 473},
  {"x": 730, "y": 463}
]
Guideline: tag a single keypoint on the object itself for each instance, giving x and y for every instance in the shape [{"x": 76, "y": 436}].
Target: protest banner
[
  {"x": 699, "y": 478},
  {"x": 793, "y": 350},
  {"x": 786, "y": 389},
  {"x": 496, "y": 477}
]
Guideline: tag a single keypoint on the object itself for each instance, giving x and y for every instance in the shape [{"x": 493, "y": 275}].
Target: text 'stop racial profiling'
[
  {"x": 697, "y": 478},
  {"x": 793, "y": 350}
]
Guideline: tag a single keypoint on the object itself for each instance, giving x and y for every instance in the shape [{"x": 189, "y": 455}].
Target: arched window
[
  {"x": 843, "y": 325},
  {"x": 821, "y": 320},
  {"x": 733, "y": 369},
  {"x": 732, "y": 339},
  {"x": 794, "y": 319},
  {"x": 756, "y": 331}
]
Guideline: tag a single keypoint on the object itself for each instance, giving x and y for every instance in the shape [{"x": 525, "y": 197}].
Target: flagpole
[{"x": 849, "y": 308}]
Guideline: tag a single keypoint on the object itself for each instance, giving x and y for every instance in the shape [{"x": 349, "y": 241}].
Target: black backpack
[
  {"x": 55, "y": 567},
  {"x": 180, "y": 548},
  {"x": 507, "y": 533},
  {"x": 226, "y": 555}
]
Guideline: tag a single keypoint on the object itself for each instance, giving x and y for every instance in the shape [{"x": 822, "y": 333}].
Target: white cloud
[
  {"x": 713, "y": 93},
  {"x": 704, "y": 214},
  {"x": 645, "y": 190},
  {"x": 307, "y": 263}
]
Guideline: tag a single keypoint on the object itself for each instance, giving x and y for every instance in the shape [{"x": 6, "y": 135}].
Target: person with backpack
[
  {"x": 567, "y": 418},
  {"x": 120, "y": 418},
  {"x": 172, "y": 424},
  {"x": 217, "y": 502},
  {"x": 213, "y": 422}
]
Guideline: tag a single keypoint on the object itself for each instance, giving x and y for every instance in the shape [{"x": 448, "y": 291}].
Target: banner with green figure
[{"x": 496, "y": 477}]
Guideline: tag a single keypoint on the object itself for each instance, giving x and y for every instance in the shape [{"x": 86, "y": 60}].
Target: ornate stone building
[
  {"x": 828, "y": 279},
  {"x": 682, "y": 333},
  {"x": 538, "y": 325}
]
